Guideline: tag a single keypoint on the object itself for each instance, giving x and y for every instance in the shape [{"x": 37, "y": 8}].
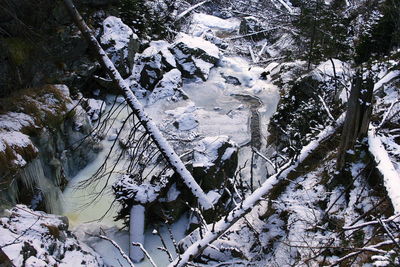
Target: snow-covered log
[
  {"x": 249, "y": 203},
  {"x": 165, "y": 148},
  {"x": 136, "y": 232},
  {"x": 391, "y": 178},
  {"x": 190, "y": 9}
]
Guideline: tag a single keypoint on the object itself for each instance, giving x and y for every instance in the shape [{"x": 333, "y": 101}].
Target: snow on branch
[
  {"x": 252, "y": 200},
  {"x": 123, "y": 254},
  {"x": 286, "y": 6},
  {"x": 145, "y": 252},
  {"x": 162, "y": 144},
  {"x": 184, "y": 13},
  {"x": 391, "y": 178},
  {"x": 361, "y": 225}
]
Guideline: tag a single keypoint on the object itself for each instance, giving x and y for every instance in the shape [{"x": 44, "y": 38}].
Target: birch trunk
[{"x": 162, "y": 144}]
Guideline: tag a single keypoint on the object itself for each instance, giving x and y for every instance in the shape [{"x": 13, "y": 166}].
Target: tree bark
[
  {"x": 358, "y": 116},
  {"x": 162, "y": 144}
]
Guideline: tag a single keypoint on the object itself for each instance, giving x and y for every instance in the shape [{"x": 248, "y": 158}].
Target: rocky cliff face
[{"x": 44, "y": 140}]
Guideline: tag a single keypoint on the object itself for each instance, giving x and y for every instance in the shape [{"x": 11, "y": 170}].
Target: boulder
[
  {"x": 184, "y": 118},
  {"x": 121, "y": 44},
  {"x": 43, "y": 240},
  {"x": 93, "y": 107},
  {"x": 195, "y": 56},
  {"x": 215, "y": 159},
  {"x": 168, "y": 87},
  {"x": 151, "y": 65},
  {"x": 209, "y": 36}
]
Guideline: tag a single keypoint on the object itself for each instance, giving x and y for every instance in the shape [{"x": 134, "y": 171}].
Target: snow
[
  {"x": 13, "y": 121},
  {"x": 206, "y": 151},
  {"x": 391, "y": 177},
  {"x": 168, "y": 87},
  {"x": 94, "y": 108},
  {"x": 14, "y": 140},
  {"x": 201, "y": 23},
  {"x": 42, "y": 233},
  {"x": 326, "y": 70},
  {"x": 204, "y": 67},
  {"x": 143, "y": 193},
  {"x": 116, "y": 34},
  {"x": 173, "y": 193},
  {"x": 213, "y": 196},
  {"x": 249, "y": 202},
  {"x": 184, "y": 118},
  {"x": 166, "y": 149},
  {"x": 386, "y": 79},
  {"x": 197, "y": 43}
]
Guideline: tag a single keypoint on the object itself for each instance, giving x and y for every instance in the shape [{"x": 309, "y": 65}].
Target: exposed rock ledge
[{"x": 40, "y": 146}]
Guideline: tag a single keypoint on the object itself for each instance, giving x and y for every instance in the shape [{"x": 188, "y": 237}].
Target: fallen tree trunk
[
  {"x": 162, "y": 144},
  {"x": 251, "y": 201},
  {"x": 391, "y": 178},
  {"x": 190, "y": 9}
]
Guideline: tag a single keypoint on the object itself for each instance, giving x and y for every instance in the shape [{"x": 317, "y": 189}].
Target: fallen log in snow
[
  {"x": 190, "y": 9},
  {"x": 251, "y": 201},
  {"x": 162, "y": 144},
  {"x": 391, "y": 178}
]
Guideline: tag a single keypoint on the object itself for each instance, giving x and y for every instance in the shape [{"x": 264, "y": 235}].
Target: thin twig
[{"x": 145, "y": 252}]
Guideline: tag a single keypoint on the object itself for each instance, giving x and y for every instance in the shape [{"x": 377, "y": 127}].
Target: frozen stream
[{"x": 214, "y": 110}]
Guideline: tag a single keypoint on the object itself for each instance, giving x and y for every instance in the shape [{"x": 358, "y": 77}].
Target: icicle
[{"x": 33, "y": 178}]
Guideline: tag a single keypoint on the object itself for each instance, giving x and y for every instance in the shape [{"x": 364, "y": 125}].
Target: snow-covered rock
[
  {"x": 168, "y": 87},
  {"x": 94, "y": 107},
  {"x": 195, "y": 56},
  {"x": 121, "y": 44},
  {"x": 39, "y": 147},
  {"x": 214, "y": 159},
  {"x": 197, "y": 47},
  {"x": 151, "y": 65},
  {"x": 184, "y": 117},
  {"x": 34, "y": 238}
]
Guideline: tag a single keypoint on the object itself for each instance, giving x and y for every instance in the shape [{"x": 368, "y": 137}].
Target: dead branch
[
  {"x": 190, "y": 9},
  {"x": 362, "y": 225},
  {"x": 123, "y": 254},
  {"x": 372, "y": 248},
  {"x": 145, "y": 252}
]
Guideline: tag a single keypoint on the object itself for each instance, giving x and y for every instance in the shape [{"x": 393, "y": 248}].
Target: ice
[
  {"x": 169, "y": 86},
  {"x": 202, "y": 22},
  {"x": 136, "y": 232}
]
